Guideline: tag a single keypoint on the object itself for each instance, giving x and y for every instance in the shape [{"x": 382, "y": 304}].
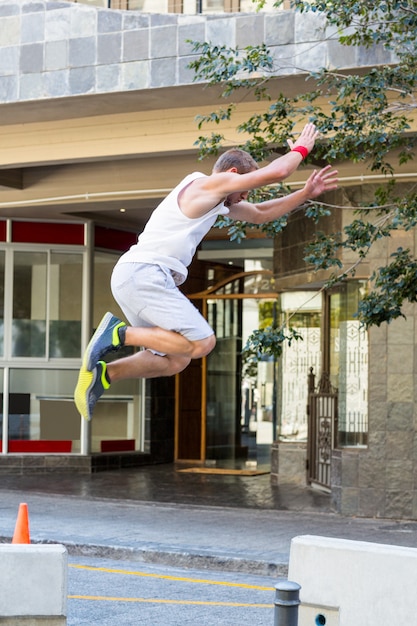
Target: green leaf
[{"x": 368, "y": 119}]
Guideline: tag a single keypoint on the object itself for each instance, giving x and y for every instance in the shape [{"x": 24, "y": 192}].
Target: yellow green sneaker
[
  {"x": 90, "y": 387},
  {"x": 109, "y": 336}
]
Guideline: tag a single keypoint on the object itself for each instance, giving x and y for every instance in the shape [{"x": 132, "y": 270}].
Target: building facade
[{"x": 97, "y": 124}]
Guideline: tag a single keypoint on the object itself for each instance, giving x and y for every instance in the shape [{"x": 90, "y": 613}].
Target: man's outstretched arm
[
  {"x": 206, "y": 192},
  {"x": 262, "y": 212}
]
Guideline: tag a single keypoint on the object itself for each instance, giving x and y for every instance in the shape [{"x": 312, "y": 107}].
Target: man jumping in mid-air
[{"x": 145, "y": 279}]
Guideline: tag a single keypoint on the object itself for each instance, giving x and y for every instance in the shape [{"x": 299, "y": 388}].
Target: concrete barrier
[
  {"x": 33, "y": 585},
  {"x": 353, "y": 582}
]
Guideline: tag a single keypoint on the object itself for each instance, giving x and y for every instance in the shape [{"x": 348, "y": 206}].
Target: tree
[{"x": 368, "y": 120}]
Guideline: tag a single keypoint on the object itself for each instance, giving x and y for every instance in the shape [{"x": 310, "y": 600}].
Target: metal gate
[{"x": 322, "y": 429}]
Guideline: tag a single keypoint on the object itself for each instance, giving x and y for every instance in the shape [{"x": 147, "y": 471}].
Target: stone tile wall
[
  {"x": 60, "y": 49},
  {"x": 381, "y": 480}
]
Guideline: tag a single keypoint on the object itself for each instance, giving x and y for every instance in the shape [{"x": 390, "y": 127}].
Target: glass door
[
  {"x": 223, "y": 381},
  {"x": 239, "y": 398}
]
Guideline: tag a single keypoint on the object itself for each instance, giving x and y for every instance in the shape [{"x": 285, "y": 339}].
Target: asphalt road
[{"x": 109, "y": 593}]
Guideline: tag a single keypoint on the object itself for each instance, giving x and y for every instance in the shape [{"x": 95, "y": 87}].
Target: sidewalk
[{"x": 160, "y": 515}]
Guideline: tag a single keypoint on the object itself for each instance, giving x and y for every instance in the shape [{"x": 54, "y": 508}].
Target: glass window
[
  {"x": 41, "y": 407},
  {"x": 300, "y": 310},
  {"x": 98, "y": 3},
  {"x": 1, "y": 406},
  {"x": 29, "y": 304},
  {"x": 65, "y": 303},
  {"x": 43, "y": 417},
  {"x": 103, "y": 300},
  {"x": 349, "y": 364},
  {"x": 117, "y": 424},
  {"x": 147, "y": 6},
  {"x": 2, "y": 262},
  {"x": 47, "y": 296},
  {"x": 247, "y": 6},
  {"x": 119, "y": 415},
  {"x": 223, "y": 376},
  {"x": 210, "y": 6},
  {"x": 190, "y": 7}
]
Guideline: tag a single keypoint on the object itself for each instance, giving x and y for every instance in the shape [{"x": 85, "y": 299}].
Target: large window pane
[
  {"x": 65, "y": 302},
  {"x": 210, "y": 6},
  {"x": 41, "y": 407},
  {"x": 29, "y": 304},
  {"x": 349, "y": 364},
  {"x": 118, "y": 422},
  {"x": 40, "y": 281},
  {"x": 300, "y": 310},
  {"x": 103, "y": 300},
  {"x": 1, "y": 302},
  {"x": 223, "y": 382},
  {"x": 1, "y": 403}
]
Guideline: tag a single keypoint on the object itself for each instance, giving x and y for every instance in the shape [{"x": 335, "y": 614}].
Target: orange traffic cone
[{"x": 21, "y": 531}]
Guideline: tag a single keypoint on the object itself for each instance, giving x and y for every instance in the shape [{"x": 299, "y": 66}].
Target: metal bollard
[{"x": 287, "y": 600}]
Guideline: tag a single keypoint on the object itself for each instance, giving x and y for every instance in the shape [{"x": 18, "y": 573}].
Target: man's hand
[
  {"x": 321, "y": 181},
  {"x": 307, "y": 138}
]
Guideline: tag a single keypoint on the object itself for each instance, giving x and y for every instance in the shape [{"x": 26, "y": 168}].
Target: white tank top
[{"x": 171, "y": 238}]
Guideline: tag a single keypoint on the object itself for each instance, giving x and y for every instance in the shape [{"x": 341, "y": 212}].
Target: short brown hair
[{"x": 235, "y": 157}]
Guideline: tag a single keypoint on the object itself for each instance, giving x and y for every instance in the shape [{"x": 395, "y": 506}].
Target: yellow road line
[
  {"x": 176, "y": 578},
  {"x": 164, "y": 601}
]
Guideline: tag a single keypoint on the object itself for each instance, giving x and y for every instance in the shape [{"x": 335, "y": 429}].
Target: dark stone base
[{"x": 70, "y": 463}]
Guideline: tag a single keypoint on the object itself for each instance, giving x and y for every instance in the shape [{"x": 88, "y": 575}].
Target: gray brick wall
[{"x": 57, "y": 49}]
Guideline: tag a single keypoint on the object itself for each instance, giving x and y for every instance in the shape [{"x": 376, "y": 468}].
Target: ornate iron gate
[{"x": 322, "y": 429}]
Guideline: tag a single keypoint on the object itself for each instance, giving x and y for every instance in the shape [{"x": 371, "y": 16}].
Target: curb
[{"x": 173, "y": 558}]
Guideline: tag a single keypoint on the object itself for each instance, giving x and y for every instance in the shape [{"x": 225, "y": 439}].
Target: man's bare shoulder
[
  {"x": 202, "y": 194},
  {"x": 220, "y": 183}
]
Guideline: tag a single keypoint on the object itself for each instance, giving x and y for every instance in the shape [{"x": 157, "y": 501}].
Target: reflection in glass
[
  {"x": 41, "y": 409},
  {"x": 30, "y": 391},
  {"x": 349, "y": 364},
  {"x": 29, "y": 304},
  {"x": 239, "y": 422},
  {"x": 65, "y": 301},
  {"x": 103, "y": 300},
  {"x": 300, "y": 310},
  {"x": 47, "y": 297},
  {"x": 223, "y": 381}
]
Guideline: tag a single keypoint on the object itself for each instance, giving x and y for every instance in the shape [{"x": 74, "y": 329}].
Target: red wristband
[{"x": 302, "y": 150}]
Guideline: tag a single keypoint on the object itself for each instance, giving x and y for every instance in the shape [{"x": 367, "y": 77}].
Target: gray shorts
[{"x": 148, "y": 297}]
